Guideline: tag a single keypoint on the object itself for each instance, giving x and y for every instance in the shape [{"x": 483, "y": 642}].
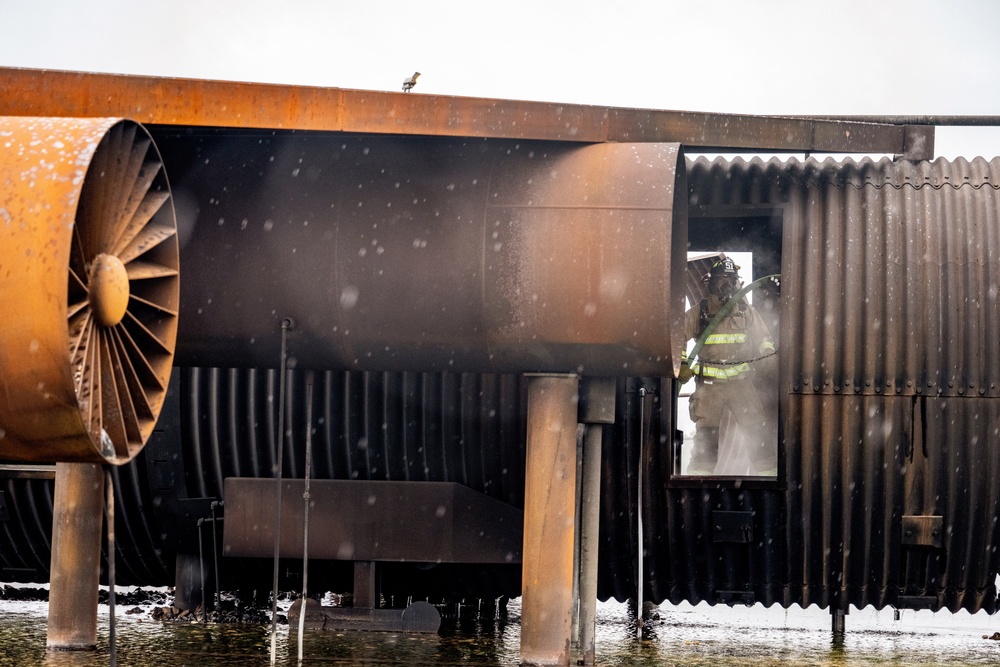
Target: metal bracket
[
  {"x": 597, "y": 400},
  {"x": 918, "y": 602},
  {"x": 918, "y": 143},
  {"x": 923, "y": 531}
]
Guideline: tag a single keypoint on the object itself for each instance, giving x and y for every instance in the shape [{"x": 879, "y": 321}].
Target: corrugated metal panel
[
  {"x": 844, "y": 493},
  {"x": 437, "y": 427},
  {"x": 219, "y": 423},
  {"x": 25, "y": 551},
  {"x": 904, "y": 257},
  {"x": 865, "y": 462},
  {"x": 906, "y": 260},
  {"x": 684, "y": 560},
  {"x": 466, "y": 428},
  {"x": 889, "y": 376},
  {"x": 434, "y": 427},
  {"x": 27, "y": 535}
]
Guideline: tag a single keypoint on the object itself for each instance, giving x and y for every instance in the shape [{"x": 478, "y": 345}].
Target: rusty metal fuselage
[{"x": 423, "y": 254}]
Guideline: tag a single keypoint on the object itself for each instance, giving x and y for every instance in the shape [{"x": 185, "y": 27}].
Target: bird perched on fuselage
[{"x": 410, "y": 82}]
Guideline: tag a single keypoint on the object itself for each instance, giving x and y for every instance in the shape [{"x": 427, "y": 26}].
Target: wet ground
[{"x": 681, "y": 635}]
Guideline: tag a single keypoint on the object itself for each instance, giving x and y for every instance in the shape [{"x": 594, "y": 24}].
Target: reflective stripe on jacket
[{"x": 739, "y": 337}]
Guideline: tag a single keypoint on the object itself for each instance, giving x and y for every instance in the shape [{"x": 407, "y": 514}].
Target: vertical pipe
[
  {"x": 201, "y": 571},
  {"x": 575, "y": 631},
  {"x": 839, "y": 623},
  {"x": 75, "y": 567},
  {"x": 366, "y": 589},
  {"x": 549, "y": 520},
  {"x": 217, "y": 596},
  {"x": 305, "y": 513},
  {"x": 598, "y": 396},
  {"x": 589, "y": 536},
  {"x": 279, "y": 457},
  {"x": 109, "y": 492},
  {"x": 639, "y": 574}
]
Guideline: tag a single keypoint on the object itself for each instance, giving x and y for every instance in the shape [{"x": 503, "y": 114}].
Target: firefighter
[{"x": 738, "y": 346}]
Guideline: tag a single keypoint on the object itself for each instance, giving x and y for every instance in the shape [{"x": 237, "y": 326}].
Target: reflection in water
[{"x": 682, "y": 635}]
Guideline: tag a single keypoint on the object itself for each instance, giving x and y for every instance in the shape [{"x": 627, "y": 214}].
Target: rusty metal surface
[
  {"x": 590, "y": 515},
  {"x": 42, "y": 165},
  {"x": 935, "y": 119},
  {"x": 549, "y": 520},
  {"x": 89, "y": 258},
  {"x": 76, "y": 556},
  {"x": 27, "y": 471},
  {"x": 426, "y": 254},
  {"x": 199, "y": 103},
  {"x": 721, "y": 132},
  {"x": 363, "y": 520},
  {"x": 462, "y": 428}
]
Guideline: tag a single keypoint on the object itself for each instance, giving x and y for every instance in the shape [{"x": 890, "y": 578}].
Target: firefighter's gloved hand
[{"x": 685, "y": 373}]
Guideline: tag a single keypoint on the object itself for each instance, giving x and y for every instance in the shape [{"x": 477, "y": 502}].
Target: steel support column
[
  {"x": 549, "y": 520},
  {"x": 597, "y": 409},
  {"x": 589, "y": 527},
  {"x": 839, "y": 617},
  {"x": 366, "y": 588},
  {"x": 76, "y": 556}
]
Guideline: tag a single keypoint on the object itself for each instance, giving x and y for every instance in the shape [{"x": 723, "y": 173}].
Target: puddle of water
[
  {"x": 682, "y": 635},
  {"x": 722, "y": 636}
]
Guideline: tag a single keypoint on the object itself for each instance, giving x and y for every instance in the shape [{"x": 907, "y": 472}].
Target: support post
[
  {"x": 589, "y": 529},
  {"x": 75, "y": 567},
  {"x": 366, "y": 588},
  {"x": 839, "y": 622},
  {"x": 578, "y": 512},
  {"x": 549, "y": 520},
  {"x": 597, "y": 409},
  {"x": 640, "y": 540},
  {"x": 310, "y": 375}
]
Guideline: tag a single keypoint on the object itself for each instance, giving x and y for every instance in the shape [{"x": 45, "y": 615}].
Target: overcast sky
[{"x": 913, "y": 57}]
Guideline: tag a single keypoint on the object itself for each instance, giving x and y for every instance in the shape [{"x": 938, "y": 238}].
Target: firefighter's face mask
[{"x": 723, "y": 286}]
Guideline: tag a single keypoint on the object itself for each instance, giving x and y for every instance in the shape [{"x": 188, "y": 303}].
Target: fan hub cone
[{"x": 109, "y": 290}]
